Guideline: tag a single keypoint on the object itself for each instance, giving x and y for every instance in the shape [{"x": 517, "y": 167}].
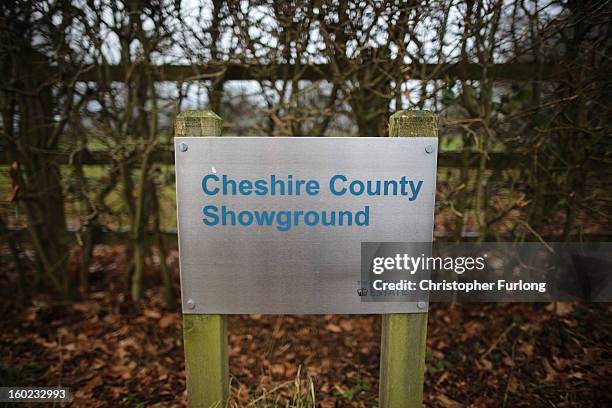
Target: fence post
[
  {"x": 403, "y": 337},
  {"x": 204, "y": 336}
]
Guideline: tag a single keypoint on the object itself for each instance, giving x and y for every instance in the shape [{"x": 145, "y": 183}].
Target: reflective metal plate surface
[{"x": 308, "y": 269}]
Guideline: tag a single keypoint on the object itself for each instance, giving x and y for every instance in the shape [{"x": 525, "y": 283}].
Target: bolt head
[
  {"x": 429, "y": 149},
  {"x": 421, "y": 304},
  {"x": 183, "y": 147},
  {"x": 190, "y": 304}
]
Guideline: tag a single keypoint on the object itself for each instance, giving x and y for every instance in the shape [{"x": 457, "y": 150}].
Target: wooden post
[
  {"x": 403, "y": 337},
  {"x": 204, "y": 336}
]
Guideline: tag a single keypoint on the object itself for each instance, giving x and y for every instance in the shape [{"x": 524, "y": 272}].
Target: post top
[
  {"x": 201, "y": 122},
  {"x": 198, "y": 113},
  {"x": 411, "y": 123}
]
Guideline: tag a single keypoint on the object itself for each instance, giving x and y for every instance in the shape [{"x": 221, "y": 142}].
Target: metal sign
[{"x": 274, "y": 225}]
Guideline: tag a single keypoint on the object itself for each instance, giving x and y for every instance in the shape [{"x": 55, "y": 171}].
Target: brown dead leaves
[{"x": 115, "y": 354}]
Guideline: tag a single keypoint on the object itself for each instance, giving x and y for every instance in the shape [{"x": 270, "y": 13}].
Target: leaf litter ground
[{"x": 111, "y": 352}]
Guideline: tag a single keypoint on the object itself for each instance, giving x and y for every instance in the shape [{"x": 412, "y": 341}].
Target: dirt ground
[{"x": 114, "y": 353}]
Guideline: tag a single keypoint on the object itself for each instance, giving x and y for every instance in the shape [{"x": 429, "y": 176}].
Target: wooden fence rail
[
  {"x": 228, "y": 71},
  {"x": 445, "y": 159},
  {"x": 121, "y": 236}
]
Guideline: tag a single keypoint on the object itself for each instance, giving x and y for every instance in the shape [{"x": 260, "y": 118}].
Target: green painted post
[
  {"x": 403, "y": 338},
  {"x": 204, "y": 336}
]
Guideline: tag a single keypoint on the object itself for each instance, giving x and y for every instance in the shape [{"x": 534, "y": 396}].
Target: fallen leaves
[
  {"x": 526, "y": 348},
  {"x": 167, "y": 320},
  {"x": 278, "y": 369},
  {"x": 333, "y": 328},
  {"x": 471, "y": 329},
  {"x": 561, "y": 308},
  {"x": 152, "y": 314},
  {"x": 115, "y": 354},
  {"x": 551, "y": 374},
  {"x": 447, "y": 402}
]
